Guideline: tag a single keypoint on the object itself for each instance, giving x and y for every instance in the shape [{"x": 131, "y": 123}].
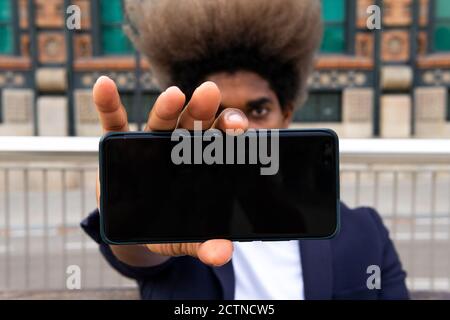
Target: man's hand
[{"x": 167, "y": 114}]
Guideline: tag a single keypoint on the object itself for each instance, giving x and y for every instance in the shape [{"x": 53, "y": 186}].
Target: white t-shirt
[{"x": 268, "y": 270}]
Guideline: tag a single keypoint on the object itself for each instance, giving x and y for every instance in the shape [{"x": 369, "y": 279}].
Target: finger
[
  {"x": 203, "y": 106},
  {"x": 231, "y": 120},
  {"x": 175, "y": 249},
  {"x": 112, "y": 114},
  {"x": 97, "y": 188},
  {"x": 211, "y": 252},
  {"x": 166, "y": 110}
]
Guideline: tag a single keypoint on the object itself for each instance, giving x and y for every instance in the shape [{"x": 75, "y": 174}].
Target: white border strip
[
  {"x": 347, "y": 146},
  {"x": 48, "y": 144}
]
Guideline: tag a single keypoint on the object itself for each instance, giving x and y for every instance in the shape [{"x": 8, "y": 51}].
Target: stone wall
[{"x": 18, "y": 114}]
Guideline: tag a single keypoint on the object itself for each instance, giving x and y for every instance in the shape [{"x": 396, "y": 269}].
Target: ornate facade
[{"x": 391, "y": 83}]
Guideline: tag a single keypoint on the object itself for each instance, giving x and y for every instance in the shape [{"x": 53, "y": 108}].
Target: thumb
[
  {"x": 212, "y": 252},
  {"x": 215, "y": 252}
]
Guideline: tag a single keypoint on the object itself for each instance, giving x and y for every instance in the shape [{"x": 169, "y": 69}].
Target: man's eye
[{"x": 259, "y": 112}]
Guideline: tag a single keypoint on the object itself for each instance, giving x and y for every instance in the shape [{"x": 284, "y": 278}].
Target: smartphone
[{"x": 191, "y": 186}]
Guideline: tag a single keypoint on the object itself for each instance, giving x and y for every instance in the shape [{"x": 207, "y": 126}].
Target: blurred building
[{"x": 367, "y": 83}]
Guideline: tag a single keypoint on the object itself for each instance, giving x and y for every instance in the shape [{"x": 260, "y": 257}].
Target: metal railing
[{"x": 47, "y": 185}]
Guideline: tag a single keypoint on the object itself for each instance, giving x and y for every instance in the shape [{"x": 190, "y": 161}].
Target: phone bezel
[{"x": 164, "y": 134}]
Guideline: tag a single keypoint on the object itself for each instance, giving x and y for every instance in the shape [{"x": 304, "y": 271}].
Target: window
[
  {"x": 6, "y": 28},
  {"x": 147, "y": 101},
  {"x": 442, "y": 25},
  {"x": 320, "y": 107},
  {"x": 113, "y": 39},
  {"x": 334, "y": 17}
]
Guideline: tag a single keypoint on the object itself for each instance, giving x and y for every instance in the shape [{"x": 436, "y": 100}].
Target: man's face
[{"x": 252, "y": 94}]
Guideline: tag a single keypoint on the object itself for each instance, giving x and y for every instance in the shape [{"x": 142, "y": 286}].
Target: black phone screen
[{"x": 148, "y": 195}]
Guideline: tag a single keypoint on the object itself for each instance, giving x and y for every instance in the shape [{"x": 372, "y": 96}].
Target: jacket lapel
[
  {"x": 317, "y": 269},
  {"x": 225, "y": 274}
]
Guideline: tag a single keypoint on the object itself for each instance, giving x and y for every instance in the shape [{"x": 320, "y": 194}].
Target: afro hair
[{"x": 187, "y": 40}]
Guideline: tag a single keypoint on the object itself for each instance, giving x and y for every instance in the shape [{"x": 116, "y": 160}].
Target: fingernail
[
  {"x": 208, "y": 83},
  {"x": 172, "y": 89},
  {"x": 234, "y": 116},
  {"x": 101, "y": 78}
]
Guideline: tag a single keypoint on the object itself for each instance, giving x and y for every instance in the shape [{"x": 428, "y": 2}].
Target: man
[{"x": 240, "y": 64}]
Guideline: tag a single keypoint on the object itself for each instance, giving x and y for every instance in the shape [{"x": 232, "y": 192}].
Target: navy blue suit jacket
[{"x": 332, "y": 269}]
